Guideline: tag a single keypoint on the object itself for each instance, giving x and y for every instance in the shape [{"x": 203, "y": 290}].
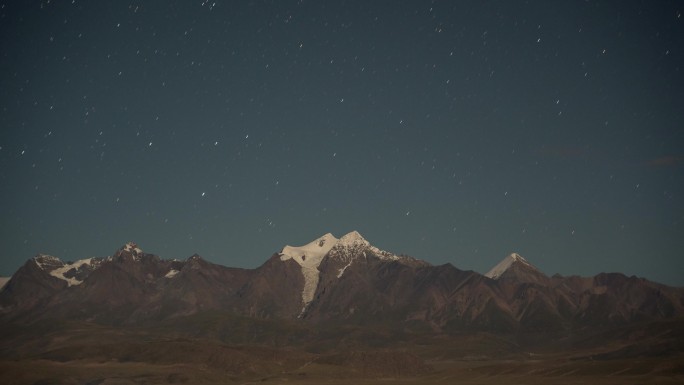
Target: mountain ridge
[{"x": 345, "y": 280}]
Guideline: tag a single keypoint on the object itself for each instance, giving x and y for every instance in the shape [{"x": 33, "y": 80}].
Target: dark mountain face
[
  {"x": 331, "y": 281},
  {"x": 31, "y": 285},
  {"x": 273, "y": 290}
]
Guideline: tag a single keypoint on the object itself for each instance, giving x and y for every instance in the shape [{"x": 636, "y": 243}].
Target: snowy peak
[
  {"x": 132, "y": 247},
  {"x": 341, "y": 253},
  {"x": 311, "y": 254},
  {"x": 352, "y": 239},
  {"x": 309, "y": 257},
  {"x": 47, "y": 262},
  {"x": 353, "y": 245},
  {"x": 511, "y": 261},
  {"x": 129, "y": 251},
  {"x": 350, "y": 246},
  {"x": 515, "y": 257},
  {"x": 504, "y": 265}
]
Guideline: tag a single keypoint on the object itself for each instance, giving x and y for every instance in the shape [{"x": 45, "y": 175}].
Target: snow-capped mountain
[
  {"x": 517, "y": 268},
  {"x": 340, "y": 252},
  {"x": 504, "y": 265},
  {"x": 70, "y": 272},
  {"x": 73, "y": 273},
  {"x": 309, "y": 257}
]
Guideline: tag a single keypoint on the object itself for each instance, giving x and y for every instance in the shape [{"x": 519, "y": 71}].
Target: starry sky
[{"x": 449, "y": 131}]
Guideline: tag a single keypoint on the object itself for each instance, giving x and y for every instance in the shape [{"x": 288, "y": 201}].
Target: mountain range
[
  {"x": 333, "y": 293},
  {"x": 344, "y": 280}
]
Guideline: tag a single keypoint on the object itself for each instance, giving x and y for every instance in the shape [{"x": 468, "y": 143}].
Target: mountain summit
[
  {"x": 505, "y": 264},
  {"x": 514, "y": 266}
]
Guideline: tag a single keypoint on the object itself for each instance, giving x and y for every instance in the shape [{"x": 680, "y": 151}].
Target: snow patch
[
  {"x": 133, "y": 248},
  {"x": 172, "y": 273},
  {"x": 504, "y": 265},
  {"x": 341, "y": 271},
  {"x": 385, "y": 255},
  {"x": 311, "y": 254},
  {"x": 60, "y": 271}
]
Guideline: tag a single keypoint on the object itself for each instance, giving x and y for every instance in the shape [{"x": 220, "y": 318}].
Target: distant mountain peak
[
  {"x": 351, "y": 246},
  {"x": 310, "y": 255},
  {"x": 353, "y": 238},
  {"x": 71, "y": 272},
  {"x": 343, "y": 252},
  {"x": 345, "y": 249},
  {"x": 514, "y": 258},
  {"x": 129, "y": 251},
  {"x": 196, "y": 261},
  {"x": 47, "y": 262},
  {"x": 132, "y": 247}
]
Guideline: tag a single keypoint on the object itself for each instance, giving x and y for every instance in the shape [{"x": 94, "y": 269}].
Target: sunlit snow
[
  {"x": 502, "y": 266},
  {"x": 309, "y": 257},
  {"x": 60, "y": 271},
  {"x": 172, "y": 273}
]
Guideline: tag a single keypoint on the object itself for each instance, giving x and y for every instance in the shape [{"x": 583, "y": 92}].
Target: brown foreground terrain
[
  {"x": 86, "y": 353},
  {"x": 520, "y": 371}
]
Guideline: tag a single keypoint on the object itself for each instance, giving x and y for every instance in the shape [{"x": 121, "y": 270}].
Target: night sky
[{"x": 449, "y": 131}]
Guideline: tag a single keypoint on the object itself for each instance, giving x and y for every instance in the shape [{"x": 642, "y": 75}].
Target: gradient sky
[{"x": 450, "y": 131}]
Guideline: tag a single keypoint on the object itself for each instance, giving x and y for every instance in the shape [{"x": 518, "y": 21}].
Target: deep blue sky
[{"x": 450, "y": 131}]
